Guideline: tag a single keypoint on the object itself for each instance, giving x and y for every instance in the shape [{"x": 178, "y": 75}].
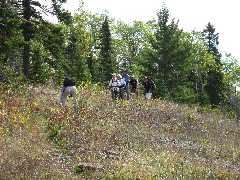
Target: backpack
[
  {"x": 69, "y": 82},
  {"x": 114, "y": 81}
]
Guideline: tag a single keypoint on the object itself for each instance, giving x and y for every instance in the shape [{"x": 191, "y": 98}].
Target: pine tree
[
  {"x": 215, "y": 84},
  {"x": 168, "y": 54},
  {"x": 9, "y": 26},
  {"x": 106, "y": 59},
  {"x": 30, "y": 14}
]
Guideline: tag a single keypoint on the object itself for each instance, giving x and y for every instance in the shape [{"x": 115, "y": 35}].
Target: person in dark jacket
[
  {"x": 147, "y": 86},
  {"x": 126, "y": 78},
  {"x": 133, "y": 85},
  {"x": 69, "y": 89}
]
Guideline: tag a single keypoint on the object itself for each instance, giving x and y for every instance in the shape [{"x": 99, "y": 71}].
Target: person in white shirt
[
  {"x": 114, "y": 86},
  {"x": 122, "y": 86}
]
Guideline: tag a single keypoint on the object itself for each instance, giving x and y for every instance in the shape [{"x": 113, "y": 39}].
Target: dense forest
[{"x": 186, "y": 66}]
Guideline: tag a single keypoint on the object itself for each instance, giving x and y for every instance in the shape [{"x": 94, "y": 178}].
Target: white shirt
[{"x": 114, "y": 82}]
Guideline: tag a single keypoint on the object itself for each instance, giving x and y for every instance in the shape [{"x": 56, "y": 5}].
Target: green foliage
[
  {"x": 186, "y": 67},
  {"x": 31, "y": 18},
  {"x": 215, "y": 85},
  {"x": 183, "y": 94},
  {"x": 10, "y": 37},
  {"x": 128, "y": 42},
  {"x": 106, "y": 59},
  {"x": 168, "y": 58},
  {"x": 231, "y": 70},
  {"x": 77, "y": 51}
]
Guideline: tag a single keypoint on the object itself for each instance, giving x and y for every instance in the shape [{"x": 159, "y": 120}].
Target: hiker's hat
[{"x": 119, "y": 75}]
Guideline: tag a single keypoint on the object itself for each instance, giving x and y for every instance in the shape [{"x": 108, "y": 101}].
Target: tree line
[{"x": 186, "y": 66}]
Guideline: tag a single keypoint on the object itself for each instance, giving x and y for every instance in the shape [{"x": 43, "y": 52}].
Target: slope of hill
[{"x": 105, "y": 139}]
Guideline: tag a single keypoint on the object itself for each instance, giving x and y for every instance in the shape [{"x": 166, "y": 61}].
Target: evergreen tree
[
  {"x": 215, "y": 84},
  {"x": 77, "y": 51},
  {"x": 10, "y": 37},
  {"x": 107, "y": 64},
  {"x": 166, "y": 60},
  {"x": 30, "y": 14}
]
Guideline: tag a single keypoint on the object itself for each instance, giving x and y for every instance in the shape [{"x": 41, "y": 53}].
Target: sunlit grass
[{"x": 136, "y": 139}]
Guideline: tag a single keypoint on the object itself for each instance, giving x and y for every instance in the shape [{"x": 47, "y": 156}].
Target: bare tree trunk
[
  {"x": 27, "y": 36},
  {"x": 26, "y": 57}
]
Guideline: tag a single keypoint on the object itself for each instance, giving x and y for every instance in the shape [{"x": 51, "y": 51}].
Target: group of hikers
[
  {"x": 125, "y": 84},
  {"x": 121, "y": 86}
]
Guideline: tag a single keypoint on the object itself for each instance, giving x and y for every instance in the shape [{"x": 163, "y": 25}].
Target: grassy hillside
[{"x": 135, "y": 139}]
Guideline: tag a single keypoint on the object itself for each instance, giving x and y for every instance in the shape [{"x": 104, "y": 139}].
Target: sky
[{"x": 192, "y": 15}]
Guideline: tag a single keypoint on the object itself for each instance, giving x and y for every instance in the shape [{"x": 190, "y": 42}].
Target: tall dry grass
[{"x": 105, "y": 139}]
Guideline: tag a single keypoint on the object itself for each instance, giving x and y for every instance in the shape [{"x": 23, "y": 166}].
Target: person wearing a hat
[
  {"x": 122, "y": 86},
  {"x": 114, "y": 86}
]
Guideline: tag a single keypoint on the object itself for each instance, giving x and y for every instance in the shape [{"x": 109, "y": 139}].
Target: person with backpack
[
  {"x": 69, "y": 89},
  {"x": 122, "y": 86},
  {"x": 114, "y": 86},
  {"x": 148, "y": 87},
  {"x": 126, "y": 78}
]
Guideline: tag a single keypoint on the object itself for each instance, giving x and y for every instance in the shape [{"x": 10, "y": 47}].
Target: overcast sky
[{"x": 192, "y": 14}]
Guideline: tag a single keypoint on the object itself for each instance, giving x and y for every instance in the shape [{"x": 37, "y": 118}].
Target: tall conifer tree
[
  {"x": 215, "y": 84},
  {"x": 167, "y": 56},
  {"x": 30, "y": 13},
  {"x": 106, "y": 60}
]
